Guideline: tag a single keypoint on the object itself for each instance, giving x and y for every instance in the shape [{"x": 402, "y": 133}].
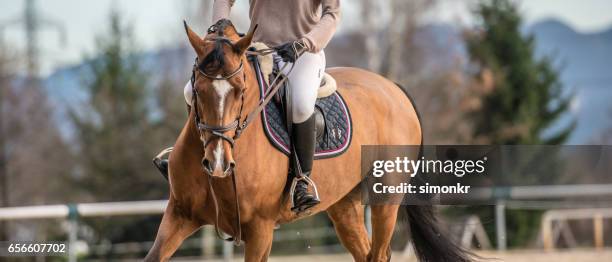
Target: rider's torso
[{"x": 285, "y": 20}]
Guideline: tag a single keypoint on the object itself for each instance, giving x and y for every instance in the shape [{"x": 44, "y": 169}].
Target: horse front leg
[
  {"x": 174, "y": 228},
  {"x": 258, "y": 241}
]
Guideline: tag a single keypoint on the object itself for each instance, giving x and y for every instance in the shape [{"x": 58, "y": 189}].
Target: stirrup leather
[{"x": 308, "y": 181}]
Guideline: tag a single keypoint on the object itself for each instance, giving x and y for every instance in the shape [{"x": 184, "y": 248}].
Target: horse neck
[{"x": 251, "y": 93}]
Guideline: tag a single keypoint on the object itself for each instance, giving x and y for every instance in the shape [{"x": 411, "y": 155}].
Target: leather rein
[{"x": 238, "y": 126}]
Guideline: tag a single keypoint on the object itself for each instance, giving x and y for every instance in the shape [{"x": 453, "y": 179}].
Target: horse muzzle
[{"x": 214, "y": 171}]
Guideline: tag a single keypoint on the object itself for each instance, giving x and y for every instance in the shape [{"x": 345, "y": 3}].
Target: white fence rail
[
  {"x": 509, "y": 195},
  {"x": 85, "y": 210},
  {"x": 554, "y": 225},
  {"x": 73, "y": 211}
]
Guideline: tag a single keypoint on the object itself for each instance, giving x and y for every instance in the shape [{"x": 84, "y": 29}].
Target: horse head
[{"x": 218, "y": 86}]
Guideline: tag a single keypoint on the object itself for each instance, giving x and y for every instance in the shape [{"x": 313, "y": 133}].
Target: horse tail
[{"x": 429, "y": 242}]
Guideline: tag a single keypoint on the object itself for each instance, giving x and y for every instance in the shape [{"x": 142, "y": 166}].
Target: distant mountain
[
  {"x": 586, "y": 63},
  {"x": 65, "y": 85},
  {"x": 587, "y": 57}
]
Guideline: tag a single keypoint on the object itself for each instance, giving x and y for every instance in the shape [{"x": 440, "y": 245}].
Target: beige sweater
[{"x": 281, "y": 21}]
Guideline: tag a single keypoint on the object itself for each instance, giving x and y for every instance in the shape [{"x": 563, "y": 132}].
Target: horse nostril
[
  {"x": 229, "y": 167},
  {"x": 206, "y": 165}
]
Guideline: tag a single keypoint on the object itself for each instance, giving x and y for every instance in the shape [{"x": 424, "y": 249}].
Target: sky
[
  {"x": 159, "y": 22},
  {"x": 585, "y": 16}
]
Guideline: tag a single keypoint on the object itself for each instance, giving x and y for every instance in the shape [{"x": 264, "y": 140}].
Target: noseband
[{"x": 238, "y": 126}]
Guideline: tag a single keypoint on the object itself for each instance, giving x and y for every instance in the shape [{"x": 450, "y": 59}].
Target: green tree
[
  {"x": 114, "y": 130},
  {"x": 116, "y": 134},
  {"x": 525, "y": 95},
  {"x": 171, "y": 106},
  {"x": 35, "y": 161},
  {"x": 521, "y": 99}
]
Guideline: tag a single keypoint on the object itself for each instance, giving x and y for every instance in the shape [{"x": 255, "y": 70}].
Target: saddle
[{"x": 333, "y": 120}]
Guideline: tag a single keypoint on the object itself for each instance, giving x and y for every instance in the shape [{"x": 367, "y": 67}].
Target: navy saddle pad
[{"x": 337, "y": 133}]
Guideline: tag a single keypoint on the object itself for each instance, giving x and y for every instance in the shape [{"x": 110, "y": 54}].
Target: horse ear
[
  {"x": 243, "y": 44},
  {"x": 196, "y": 41}
]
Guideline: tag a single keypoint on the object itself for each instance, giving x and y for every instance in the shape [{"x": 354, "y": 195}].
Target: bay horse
[{"x": 382, "y": 115}]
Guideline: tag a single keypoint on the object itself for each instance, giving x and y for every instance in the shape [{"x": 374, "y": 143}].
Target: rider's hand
[{"x": 291, "y": 51}]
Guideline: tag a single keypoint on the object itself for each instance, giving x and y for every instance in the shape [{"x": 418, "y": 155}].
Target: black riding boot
[
  {"x": 162, "y": 166},
  {"x": 161, "y": 162},
  {"x": 304, "y": 138}
]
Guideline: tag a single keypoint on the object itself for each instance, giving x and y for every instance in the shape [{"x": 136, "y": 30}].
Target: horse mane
[
  {"x": 215, "y": 59},
  {"x": 220, "y": 26}
]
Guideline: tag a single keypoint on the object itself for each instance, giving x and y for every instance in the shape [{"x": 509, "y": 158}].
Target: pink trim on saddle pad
[{"x": 278, "y": 142}]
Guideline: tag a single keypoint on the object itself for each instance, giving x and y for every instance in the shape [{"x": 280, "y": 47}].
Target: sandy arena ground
[{"x": 577, "y": 255}]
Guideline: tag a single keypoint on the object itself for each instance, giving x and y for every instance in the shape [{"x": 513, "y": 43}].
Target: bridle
[
  {"x": 218, "y": 130},
  {"x": 238, "y": 126}
]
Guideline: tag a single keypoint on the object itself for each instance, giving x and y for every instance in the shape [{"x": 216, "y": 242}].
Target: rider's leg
[
  {"x": 304, "y": 136},
  {"x": 304, "y": 82},
  {"x": 161, "y": 160}
]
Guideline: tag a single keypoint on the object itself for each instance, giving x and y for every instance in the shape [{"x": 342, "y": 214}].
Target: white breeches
[{"x": 304, "y": 82}]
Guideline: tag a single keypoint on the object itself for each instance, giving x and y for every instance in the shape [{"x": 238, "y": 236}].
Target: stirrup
[
  {"x": 308, "y": 181},
  {"x": 161, "y": 162}
]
